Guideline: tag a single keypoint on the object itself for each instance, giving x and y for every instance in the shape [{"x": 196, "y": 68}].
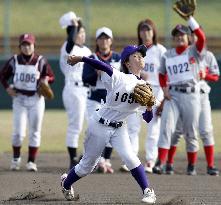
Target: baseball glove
[
  {"x": 45, "y": 90},
  {"x": 143, "y": 95},
  {"x": 185, "y": 8}
]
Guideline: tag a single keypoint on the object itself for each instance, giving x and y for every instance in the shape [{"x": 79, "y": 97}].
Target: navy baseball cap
[
  {"x": 128, "y": 50},
  {"x": 180, "y": 28}
]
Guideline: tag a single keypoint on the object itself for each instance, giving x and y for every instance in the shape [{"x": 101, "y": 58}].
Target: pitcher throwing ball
[{"x": 108, "y": 124}]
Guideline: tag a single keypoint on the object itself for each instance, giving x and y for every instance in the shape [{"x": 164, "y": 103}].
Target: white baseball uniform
[
  {"x": 182, "y": 71},
  {"x": 208, "y": 61},
  {"x": 119, "y": 105},
  {"x": 74, "y": 93},
  {"x": 152, "y": 63},
  {"x": 28, "y": 106}
]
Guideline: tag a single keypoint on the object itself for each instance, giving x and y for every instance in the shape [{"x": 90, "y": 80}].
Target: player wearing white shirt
[
  {"x": 147, "y": 34},
  {"x": 182, "y": 93},
  {"x": 108, "y": 124},
  {"x": 209, "y": 71},
  {"x": 74, "y": 93}
]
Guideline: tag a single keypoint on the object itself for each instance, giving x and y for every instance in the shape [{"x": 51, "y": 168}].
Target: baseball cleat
[
  {"x": 149, "y": 196},
  {"x": 212, "y": 171},
  {"x": 191, "y": 170},
  {"x": 124, "y": 168},
  {"x": 169, "y": 169},
  {"x": 15, "y": 164},
  {"x": 148, "y": 167},
  {"x": 31, "y": 166},
  {"x": 159, "y": 168},
  {"x": 68, "y": 193}
]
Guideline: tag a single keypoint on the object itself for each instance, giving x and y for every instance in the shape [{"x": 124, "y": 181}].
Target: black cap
[{"x": 182, "y": 29}]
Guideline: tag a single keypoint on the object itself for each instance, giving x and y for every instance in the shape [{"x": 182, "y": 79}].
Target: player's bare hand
[
  {"x": 11, "y": 91},
  {"x": 72, "y": 60},
  {"x": 167, "y": 95},
  {"x": 74, "y": 22},
  {"x": 159, "y": 108},
  {"x": 202, "y": 74}
]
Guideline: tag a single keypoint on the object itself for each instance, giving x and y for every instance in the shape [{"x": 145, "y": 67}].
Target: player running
[
  {"x": 107, "y": 124},
  {"x": 26, "y": 70}
]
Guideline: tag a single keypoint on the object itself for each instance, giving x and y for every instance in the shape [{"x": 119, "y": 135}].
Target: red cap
[{"x": 27, "y": 37}]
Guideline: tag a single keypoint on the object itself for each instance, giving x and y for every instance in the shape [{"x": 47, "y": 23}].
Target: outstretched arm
[{"x": 72, "y": 60}]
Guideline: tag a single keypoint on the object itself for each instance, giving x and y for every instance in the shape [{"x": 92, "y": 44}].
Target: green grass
[
  {"x": 41, "y": 16},
  {"x": 54, "y": 131}
]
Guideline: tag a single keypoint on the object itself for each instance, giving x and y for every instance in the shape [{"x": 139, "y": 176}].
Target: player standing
[
  {"x": 74, "y": 93},
  {"x": 147, "y": 35},
  {"x": 209, "y": 72},
  {"x": 107, "y": 124},
  {"x": 92, "y": 77},
  {"x": 181, "y": 64},
  {"x": 26, "y": 70}
]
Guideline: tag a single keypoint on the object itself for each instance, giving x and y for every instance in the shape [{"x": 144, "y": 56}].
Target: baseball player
[
  {"x": 209, "y": 72},
  {"x": 26, "y": 70},
  {"x": 147, "y": 34},
  {"x": 107, "y": 124},
  {"x": 181, "y": 64},
  {"x": 74, "y": 93},
  {"x": 104, "y": 53}
]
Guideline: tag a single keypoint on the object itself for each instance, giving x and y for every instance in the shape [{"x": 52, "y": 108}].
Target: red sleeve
[
  {"x": 6, "y": 73},
  {"x": 163, "y": 80},
  {"x": 212, "y": 77},
  {"x": 201, "y": 39}
]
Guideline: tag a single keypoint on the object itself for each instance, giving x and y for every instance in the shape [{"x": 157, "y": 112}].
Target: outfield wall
[{"x": 6, "y": 102}]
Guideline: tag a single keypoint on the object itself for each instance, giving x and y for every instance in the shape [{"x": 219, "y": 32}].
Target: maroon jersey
[{"x": 9, "y": 70}]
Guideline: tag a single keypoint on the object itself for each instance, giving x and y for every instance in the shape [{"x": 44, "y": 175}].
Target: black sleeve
[
  {"x": 89, "y": 75},
  {"x": 72, "y": 32}
]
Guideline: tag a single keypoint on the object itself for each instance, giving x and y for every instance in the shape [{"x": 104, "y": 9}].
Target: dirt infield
[{"x": 43, "y": 187}]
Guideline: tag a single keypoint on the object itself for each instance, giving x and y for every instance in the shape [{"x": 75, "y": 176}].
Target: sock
[
  {"x": 209, "y": 152},
  {"x": 72, "y": 152},
  {"x": 140, "y": 176},
  {"x": 32, "y": 152},
  {"x": 162, "y": 154},
  {"x": 192, "y": 157},
  {"x": 71, "y": 178},
  {"x": 16, "y": 151},
  {"x": 107, "y": 152},
  {"x": 171, "y": 154}
]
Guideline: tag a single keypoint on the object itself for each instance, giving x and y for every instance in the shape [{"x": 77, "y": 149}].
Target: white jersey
[
  {"x": 181, "y": 69},
  {"x": 115, "y": 64},
  {"x": 73, "y": 73},
  {"x": 26, "y": 76},
  {"x": 208, "y": 61},
  {"x": 119, "y": 101},
  {"x": 152, "y": 63}
]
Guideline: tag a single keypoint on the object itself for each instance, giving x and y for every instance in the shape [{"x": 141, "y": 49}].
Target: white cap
[
  {"x": 66, "y": 19},
  {"x": 104, "y": 30}
]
